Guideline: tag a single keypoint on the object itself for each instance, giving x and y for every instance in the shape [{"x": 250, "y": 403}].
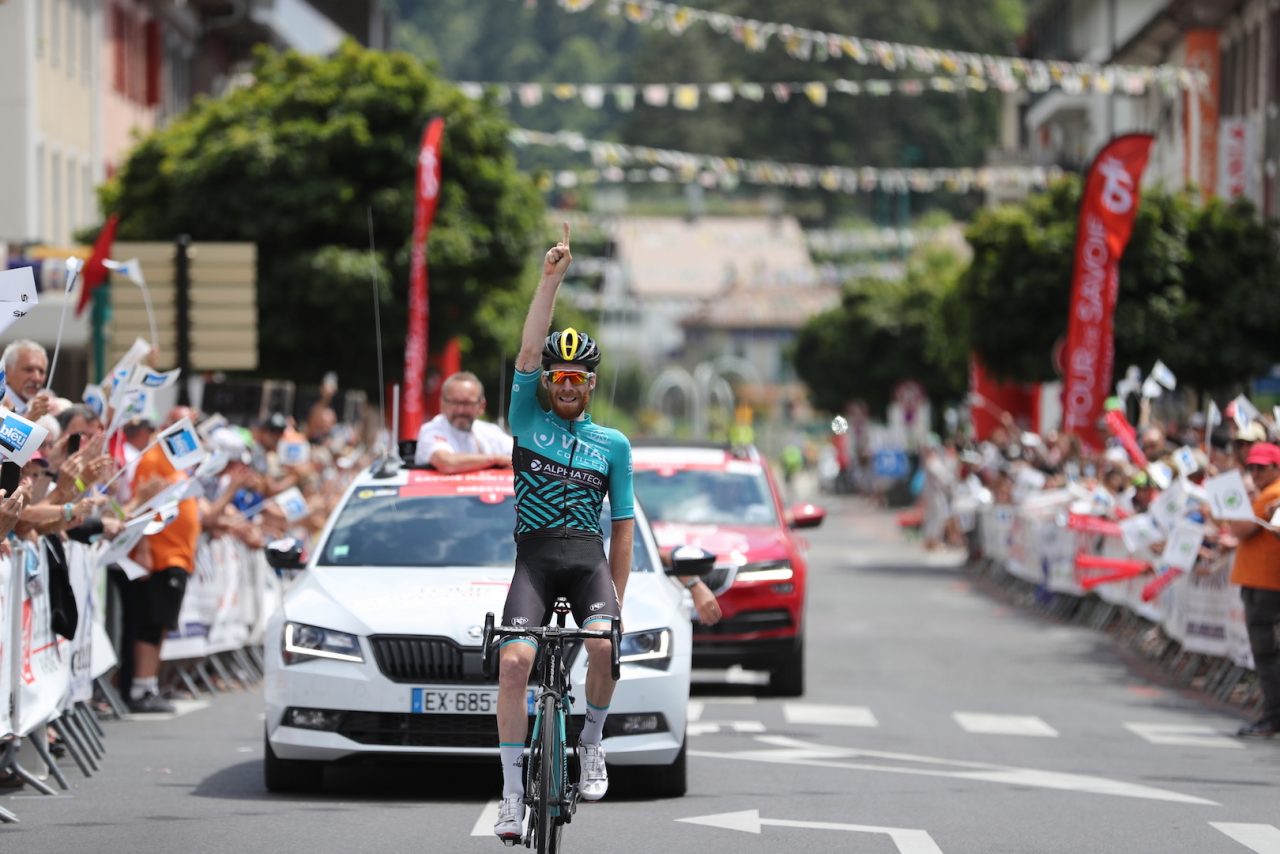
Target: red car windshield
[{"x": 705, "y": 497}]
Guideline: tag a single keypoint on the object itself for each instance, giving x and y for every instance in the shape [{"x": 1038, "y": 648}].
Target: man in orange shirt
[
  {"x": 170, "y": 554},
  {"x": 1257, "y": 571}
]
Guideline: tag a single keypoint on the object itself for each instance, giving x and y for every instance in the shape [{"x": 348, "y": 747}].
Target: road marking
[
  {"x": 1262, "y": 838},
  {"x": 749, "y": 821},
  {"x": 790, "y": 751},
  {"x": 180, "y": 708},
  {"x": 815, "y": 713},
  {"x": 734, "y": 675},
  {"x": 713, "y": 727},
  {"x": 1192, "y": 735},
  {"x": 695, "y": 710},
  {"x": 984, "y": 724},
  {"x": 488, "y": 815}
]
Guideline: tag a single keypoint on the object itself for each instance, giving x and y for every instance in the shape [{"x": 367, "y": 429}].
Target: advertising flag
[
  {"x": 415, "y": 344},
  {"x": 95, "y": 272},
  {"x": 1107, "y": 211}
]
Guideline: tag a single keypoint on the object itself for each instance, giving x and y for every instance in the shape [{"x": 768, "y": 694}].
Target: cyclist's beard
[{"x": 569, "y": 404}]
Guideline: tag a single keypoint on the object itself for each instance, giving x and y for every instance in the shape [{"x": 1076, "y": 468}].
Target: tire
[
  {"x": 787, "y": 679},
  {"x": 550, "y": 783},
  {"x": 658, "y": 781},
  {"x": 290, "y": 775}
]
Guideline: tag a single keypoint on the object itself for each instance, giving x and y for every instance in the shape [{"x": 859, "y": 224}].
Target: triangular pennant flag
[{"x": 1161, "y": 374}]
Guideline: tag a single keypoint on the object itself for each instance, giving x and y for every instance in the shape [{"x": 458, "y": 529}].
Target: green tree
[
  {"x": 1196, "y": 288},
  {"x": 297, "y": 161},
  {"x": 885, "y": 332}
]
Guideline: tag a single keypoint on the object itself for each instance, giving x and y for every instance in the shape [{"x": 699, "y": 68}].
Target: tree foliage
[
  {"x": 297, "y": 161},
  {"x": 1196, "y": 287}
]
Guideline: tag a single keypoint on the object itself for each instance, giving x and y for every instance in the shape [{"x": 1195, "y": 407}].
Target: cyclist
[{"x": 564, "y": 466}]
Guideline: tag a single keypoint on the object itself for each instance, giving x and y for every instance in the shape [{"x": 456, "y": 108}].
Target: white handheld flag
[
  {"x": 1243, "y": 411},
  {"x": 292, "y": 503},
  {"x": 1212, "y": 418},
  {"x": 1228, "y": 497},
  {"x": 144, "y": 377},
  {"x": 181, "y": 444},
  {"x": 1183, "y": 546},
  {"x": 294, "y": 453},
  {"x": 17, "y": 295},
  {"x": 1185, "y": 459},
  {"x": 1161, "y": 374},
  {"x": 1161, "y": 474},
  {"x": 1169, "y": 506},
  {"x": 1140, "y": 532},
  {"x": 1151, "y": 389},
  {"x": 19, "y": 438},
  {"x": 94, "y": 399}
]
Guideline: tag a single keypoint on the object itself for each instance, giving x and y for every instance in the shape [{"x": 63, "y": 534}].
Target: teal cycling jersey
[{"x": 564, "y": 469}]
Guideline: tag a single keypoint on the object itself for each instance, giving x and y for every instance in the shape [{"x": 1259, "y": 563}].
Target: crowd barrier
[
  {"x": 48, "y": 681},
  {"x": 1192, "y": 623}
]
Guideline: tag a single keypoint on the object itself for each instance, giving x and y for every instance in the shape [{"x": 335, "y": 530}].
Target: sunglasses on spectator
[{"x": 574, "y": 377}]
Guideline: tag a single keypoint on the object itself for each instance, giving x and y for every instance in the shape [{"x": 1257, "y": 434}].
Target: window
[
  {"x": 55, "y": 32},
  {"x": 55, "y": 196},
  {"x": 41, "y": 206},
  {"x": 73, "y": 198}
]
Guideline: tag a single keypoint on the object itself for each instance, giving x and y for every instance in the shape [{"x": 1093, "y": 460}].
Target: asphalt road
[{"x": 937, "y": 719}]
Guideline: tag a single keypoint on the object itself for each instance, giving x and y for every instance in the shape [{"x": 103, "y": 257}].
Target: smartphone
[
  {"x": 10, "y": 477},
  {"x": 73, "y": 443}
]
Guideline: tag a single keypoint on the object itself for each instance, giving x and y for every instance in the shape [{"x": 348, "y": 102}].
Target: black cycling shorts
[{"x": 573, "y": 567}]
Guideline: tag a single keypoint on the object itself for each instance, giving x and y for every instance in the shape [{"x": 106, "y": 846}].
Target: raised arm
[{"x": 538, "y": 320}]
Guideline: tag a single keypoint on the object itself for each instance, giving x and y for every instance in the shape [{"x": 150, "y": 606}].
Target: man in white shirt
[
  {"x": 25, "y": 367},
  {"x": 455, "y": 441}
]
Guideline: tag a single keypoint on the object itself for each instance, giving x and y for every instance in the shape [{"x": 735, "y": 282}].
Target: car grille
[
  {"x": 746, "y": 623},
  {"x": 413, "y": 658},
  {"x": 392, "y": 729}
]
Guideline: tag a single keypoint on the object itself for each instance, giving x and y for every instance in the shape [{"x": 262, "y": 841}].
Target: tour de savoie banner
[
  {"x": 1107, "y": 211},
  {"x": 427, "y": 194}
]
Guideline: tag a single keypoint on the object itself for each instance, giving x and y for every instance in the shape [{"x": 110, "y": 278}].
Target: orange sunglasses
[{"x": 574, "y": 377}]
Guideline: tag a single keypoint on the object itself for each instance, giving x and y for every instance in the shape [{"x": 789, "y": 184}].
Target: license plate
[{"x": 460, "y": 701}]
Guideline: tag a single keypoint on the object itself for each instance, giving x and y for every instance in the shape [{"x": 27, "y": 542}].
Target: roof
[
  {"x": 674, "y": 257},
  {"x": 766, "y": 308}
]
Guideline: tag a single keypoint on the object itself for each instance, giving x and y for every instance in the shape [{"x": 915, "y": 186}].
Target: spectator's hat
[
  {"x": 1254, "y": 432},
  {"x": 275, "y": 422},
  {"x": 1263, "y": 454}
]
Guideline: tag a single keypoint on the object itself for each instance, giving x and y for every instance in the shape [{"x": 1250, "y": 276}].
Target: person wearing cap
[
  {"x": 169, "y": 555},
  {"x": 1257, "y": 571},
  {"x": 1252, "y": 433},
  {"x": 457, "y": 440}
]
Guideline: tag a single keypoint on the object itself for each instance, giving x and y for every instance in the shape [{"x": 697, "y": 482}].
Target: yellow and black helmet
[{"x": 572, "y": 347}]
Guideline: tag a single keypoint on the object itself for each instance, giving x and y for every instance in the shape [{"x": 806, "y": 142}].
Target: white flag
[
  {"x": 1183, "y": 546},
  {"x": 181, "y": 444},
  {"x": 19, "y": 438},
  {"x": 1151, "y": 389},
  {"x": 1228, "y": 497},
  {"x": 1212, "y": 418},
  {"x": 17, "y": 295},
  {"x": 1185, "y": 459},
  {"x": 292, "y": 503},
  {"x": 1243, "y": 411},
  {"x": 1169, "y": 506},
  {"x": 1161, "y": 374},
  {"x": 1161, "y": 474},
  {"x": 1140, "y": 532}
]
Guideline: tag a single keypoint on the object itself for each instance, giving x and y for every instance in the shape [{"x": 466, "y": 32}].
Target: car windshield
[
  {"x": 379, "y": 527},
  {"x": 705, "y": 497}
]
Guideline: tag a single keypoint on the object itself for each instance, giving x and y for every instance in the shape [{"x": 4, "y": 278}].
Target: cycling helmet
[{"x": 571, "y": 346}]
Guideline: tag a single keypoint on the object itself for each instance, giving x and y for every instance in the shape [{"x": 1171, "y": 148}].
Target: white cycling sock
[
  {"x": 593, "y": 729},
  {"x": 512, "y": 769},
  {"x": 142, "y": 687}
]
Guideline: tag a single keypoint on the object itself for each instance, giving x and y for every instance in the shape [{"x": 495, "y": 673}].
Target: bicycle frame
[{"x": 549, "y": 794}]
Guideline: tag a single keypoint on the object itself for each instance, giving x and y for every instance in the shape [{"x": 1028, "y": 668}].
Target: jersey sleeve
[
  {"x": 524, "y": 408},
  {"x": 429, "y": 438},
  {"x": 622, "y": 502}
]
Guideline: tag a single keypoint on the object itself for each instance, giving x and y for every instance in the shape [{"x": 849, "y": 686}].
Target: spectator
[
  {"x": 1257, "y": 571},
  {"x": 1245, "y": 439},
  {"x": 169, "y": 556},
  {"x": 456, "y": 440},
  {"x": 26, "y": 364}
]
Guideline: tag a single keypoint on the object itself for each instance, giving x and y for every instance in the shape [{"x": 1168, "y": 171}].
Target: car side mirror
[
  {"x": 691, "y": 560},
  {"x": 285, "y": 553},
  {"x": 806, "y": 515}
]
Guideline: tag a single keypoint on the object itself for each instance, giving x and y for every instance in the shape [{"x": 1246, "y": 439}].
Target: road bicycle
[{"x": 550, "y": 798}]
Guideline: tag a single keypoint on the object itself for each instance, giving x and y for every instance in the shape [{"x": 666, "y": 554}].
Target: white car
[{"x": 376, "y": 650}]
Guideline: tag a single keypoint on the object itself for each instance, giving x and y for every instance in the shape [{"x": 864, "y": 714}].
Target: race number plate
[{"x": 458, "y": 701}]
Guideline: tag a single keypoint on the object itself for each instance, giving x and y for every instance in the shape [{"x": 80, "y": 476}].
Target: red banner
[
  {"x": 1092, "y": 525},
  {"x": 1107, "y": 210},
  {"x": 415, "y": 343},
  {"x": 94, "y": 272}
]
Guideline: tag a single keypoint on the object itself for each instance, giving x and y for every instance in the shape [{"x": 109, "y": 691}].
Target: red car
[{"x": 727, "y": 501}]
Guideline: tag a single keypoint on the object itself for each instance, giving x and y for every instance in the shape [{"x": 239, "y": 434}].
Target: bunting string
[
  {"x": 692, "y": 96},
  {"x": 617, "y": 163},
  {"x": 1005, "y": 73}
]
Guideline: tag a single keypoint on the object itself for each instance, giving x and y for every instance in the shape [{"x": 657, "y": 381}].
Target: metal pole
[
  {"x": 100, "y": 316},
  {"x": 182, "y": 312}
]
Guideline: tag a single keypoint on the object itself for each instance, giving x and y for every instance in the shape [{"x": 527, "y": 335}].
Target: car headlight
[
  {"x": 302, "y": 642},
  {"x": 651, "y": 648},
  {"x": 770, "y": 570}
]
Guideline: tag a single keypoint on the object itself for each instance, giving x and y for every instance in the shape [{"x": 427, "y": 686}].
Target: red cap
[{"x": 1263, "y": 454}]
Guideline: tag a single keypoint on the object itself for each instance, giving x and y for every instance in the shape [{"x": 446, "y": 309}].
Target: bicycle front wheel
[{"x": 552, "y": 774}]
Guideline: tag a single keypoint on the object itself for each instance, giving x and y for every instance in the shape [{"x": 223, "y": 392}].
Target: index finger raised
[{"x": 566, "y": 233}]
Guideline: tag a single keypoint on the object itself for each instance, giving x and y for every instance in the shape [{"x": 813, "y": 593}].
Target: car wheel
[
  {"x": 659, "y": 781},
  {"x": 787, "y": 679},
  {"x": 289, "y": 775}
]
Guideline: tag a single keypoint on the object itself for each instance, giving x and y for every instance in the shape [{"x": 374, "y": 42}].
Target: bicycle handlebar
[{"x": 494, "y": 632}]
